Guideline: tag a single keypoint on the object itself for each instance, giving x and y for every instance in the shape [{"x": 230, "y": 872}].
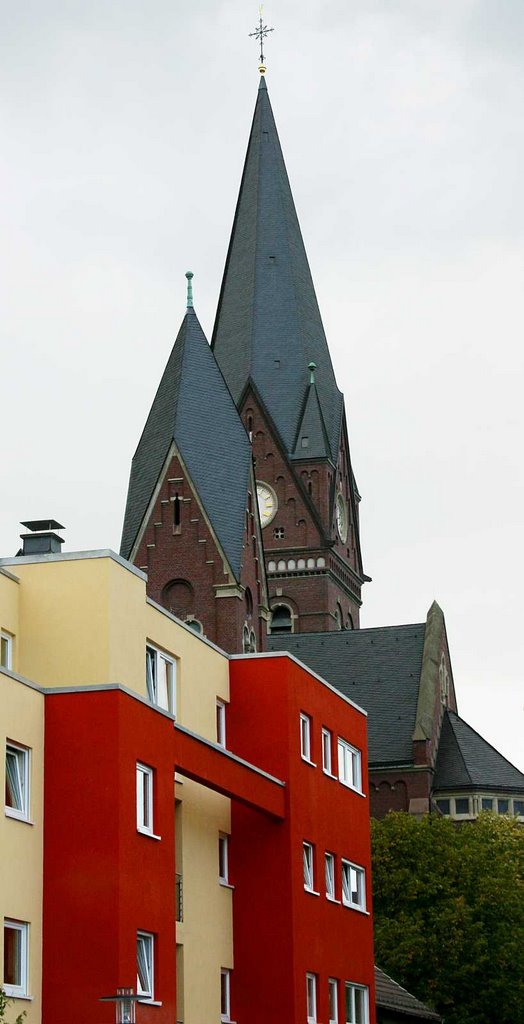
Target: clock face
[
  {"x": 267, "y": 503},
  {"x": 342, "y": 518}
]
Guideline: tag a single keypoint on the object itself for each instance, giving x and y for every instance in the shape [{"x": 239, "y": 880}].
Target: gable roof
[
  {"x": 379, "y": 669},
  {"x": 391, "y": 996},
  {"x": 467, "y": 761},
  {"x": 192, "y": 386},
  {"x": 311, "y": 440},
  {"x": 268, "y": 325}
]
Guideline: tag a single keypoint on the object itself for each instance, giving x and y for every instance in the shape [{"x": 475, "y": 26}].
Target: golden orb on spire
[{"x": 262, "y": 69}]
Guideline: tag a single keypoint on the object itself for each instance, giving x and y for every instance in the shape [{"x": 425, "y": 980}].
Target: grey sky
[{"x": 124, "y": 127}]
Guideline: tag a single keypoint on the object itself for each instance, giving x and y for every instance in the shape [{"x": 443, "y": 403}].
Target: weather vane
[{"x": 260, "y": 34}]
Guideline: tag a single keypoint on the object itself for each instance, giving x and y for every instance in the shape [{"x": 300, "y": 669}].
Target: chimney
[{"x": 41, "y": 540}]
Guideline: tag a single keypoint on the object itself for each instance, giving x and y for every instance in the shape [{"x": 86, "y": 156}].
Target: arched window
[
  {"x": 195, "y": 625},
  {"x": 249, "y": 602},
  {"x": 177, "y": 597},
  {"x": 349, "y": 622},
  {"x": 177, "y": 514},
  {"x": 252, "y": 642},
  {"x": 338, "y": 616},
  {"x": 245, "y": 640},
  {"x": 281, "y": 621}
]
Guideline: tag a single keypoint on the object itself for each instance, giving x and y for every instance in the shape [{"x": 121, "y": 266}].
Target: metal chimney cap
[{"x": 36, "y": 525}]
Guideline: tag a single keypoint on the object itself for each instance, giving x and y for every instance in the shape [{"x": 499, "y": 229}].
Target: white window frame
[
  {"x": 329, "y": 864},
  {"x": 221, "y": 722},
  {"x": 353, "y": 873},
  {"x": 305, "y": 737},
  {"x": 155, "y": 660},
  {"x": 350, "y": 1017},
  {"x": 225, "y": 994},
  {"x": 23, "y": 930},
  {"x": 223, "y": 858},
  {"x": 144, "y": 798},
  {"x": 311, "y": 998},
  {"x": 333, "y": 989},
  {"x": 7, "y": 640},
  {"x": 349, "y": 765},
  {"x": 308, "y": 861},
  {"x": 147, "y": 940},
  {"x": 21, "y": 766},
  {"x": 327, "y": 751}
]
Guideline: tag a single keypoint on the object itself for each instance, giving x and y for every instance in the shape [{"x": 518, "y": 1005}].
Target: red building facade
[{"x": 302, "y": 946}]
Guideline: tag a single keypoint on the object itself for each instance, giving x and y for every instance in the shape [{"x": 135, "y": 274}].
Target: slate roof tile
[
  {"x": 467, "y": 761},
  {"x": 268, "y": 325},
  {"x": 216, "y": 452},
  {"x": 391, "y": 996}
]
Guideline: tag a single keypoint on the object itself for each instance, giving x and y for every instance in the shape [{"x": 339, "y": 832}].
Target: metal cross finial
[{"x": 260, "y": 34}]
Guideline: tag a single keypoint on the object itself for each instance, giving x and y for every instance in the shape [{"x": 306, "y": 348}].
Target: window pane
[
  {"x": 462, "y": 805},
  {"x": 16, "y": 771},
  {"x": 333, "y": 1002},
  {"x": 224, "y": 994},
  {"x": 144, "y": 964},
  {"x": 346, "y": 884},
  {"x": 151, "y": 674},
  {"x": 5, "y": 651},
  {"x": 326, "y": 750},
  {"x": 360, "y": 1006},
  {"x": 503, "y": 806},
  {"x": 305, "y": 736},
  {"x": 350, "y": 1004},
  {"x": 13, "y": 956},
  {"x": 443, "y": 806},
  {"x": 330, "y": 875},
  {"x": 518, "y": 807},
  {"x": 222, "y": 858},
  {"x": 487, "y": 803},
  {"x": 308, "y": 865}
]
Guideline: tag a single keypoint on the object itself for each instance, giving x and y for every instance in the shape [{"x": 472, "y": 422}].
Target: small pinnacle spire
[
  {"x": 260, "y": 34},
  {"x": 189, "y": 275},
  {"x": 311, "y": 367}
]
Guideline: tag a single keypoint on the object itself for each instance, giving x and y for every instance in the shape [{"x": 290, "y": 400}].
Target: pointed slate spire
[
  {"x": 312, "y": 442},
  {"x": 268, "y": 325},
  {"x": 190, "y": 385}
]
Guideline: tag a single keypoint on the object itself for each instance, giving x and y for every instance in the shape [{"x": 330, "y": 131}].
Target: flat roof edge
[
  {"x": 310, "y": 672},
  {"x": 73, "y": 556}
]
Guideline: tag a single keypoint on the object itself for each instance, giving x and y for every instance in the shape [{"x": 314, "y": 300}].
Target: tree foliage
[
  {"x": 448, "y": 902},
  {"x": 4, "y": 1003}
]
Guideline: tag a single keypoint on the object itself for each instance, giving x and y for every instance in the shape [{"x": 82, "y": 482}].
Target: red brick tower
[
  {"x": 270, "y": 345},
  {"x": 191, "y": 518}
]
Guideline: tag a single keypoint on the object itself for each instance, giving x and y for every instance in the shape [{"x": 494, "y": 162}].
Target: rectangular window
[
  {"x": 443, "y": 806},
  {"x": 223, "y": 858},
  {"x": 17, "y": 781},
  {"x": 349, "y": 765},
  {"x": 487, "y": 803},
  {"x": 333, "y": 1001},
  {"x": 6, "y": 650},
  {"x": 330, "y": 876},
  {"x": 308, "y": 866},
  {"x": 221, "y": 723},
  {"x": 15, "y": 958},
  {"x": 502, "y": 806},
  {"x": 225, "y": 994},
  {"x": 518, "y": 808},
  {"x": 327, "y": 759},
  {"x": 356, "y": 1004},
  {"x": 353, "y": 885},
  {"x": 161, "y": 679},
  {"x": 462, "y": 805},
  {"x": 144, "y": 798},
  {"x": 305, "y": 736},
  {"x": 311, "y": 998},
  {"x": 145, "y": 965}
]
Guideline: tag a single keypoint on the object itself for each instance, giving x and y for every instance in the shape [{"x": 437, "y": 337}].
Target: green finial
[
  {"x": 189, "y": 275},
  {"x": 311, "y": 367}
]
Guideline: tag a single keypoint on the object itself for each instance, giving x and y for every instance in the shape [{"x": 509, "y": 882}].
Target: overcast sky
[{"x": 124, "y": 127}]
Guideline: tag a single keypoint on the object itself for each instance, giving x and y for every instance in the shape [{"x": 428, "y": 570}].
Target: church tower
[
  {"x": 191, "y": 519},
  {"x": 270, "y": 345}
]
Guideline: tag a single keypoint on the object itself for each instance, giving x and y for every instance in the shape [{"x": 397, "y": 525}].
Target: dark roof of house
[
  {"x": 268, "y": 325},
  {"x": 191, "y": 388},
  {"x": 379, "y": 669},
  {"x": 391, "y": 996},
  {"x": 467, "y": 761}
]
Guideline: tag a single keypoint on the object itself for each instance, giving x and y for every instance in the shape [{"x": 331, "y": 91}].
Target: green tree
[
  {"x": 448, "y": 902},
  {"x": 4, "y": 1003}
]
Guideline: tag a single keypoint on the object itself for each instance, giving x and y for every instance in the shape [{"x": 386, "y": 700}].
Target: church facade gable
[{"x": 188, "y": 572}]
